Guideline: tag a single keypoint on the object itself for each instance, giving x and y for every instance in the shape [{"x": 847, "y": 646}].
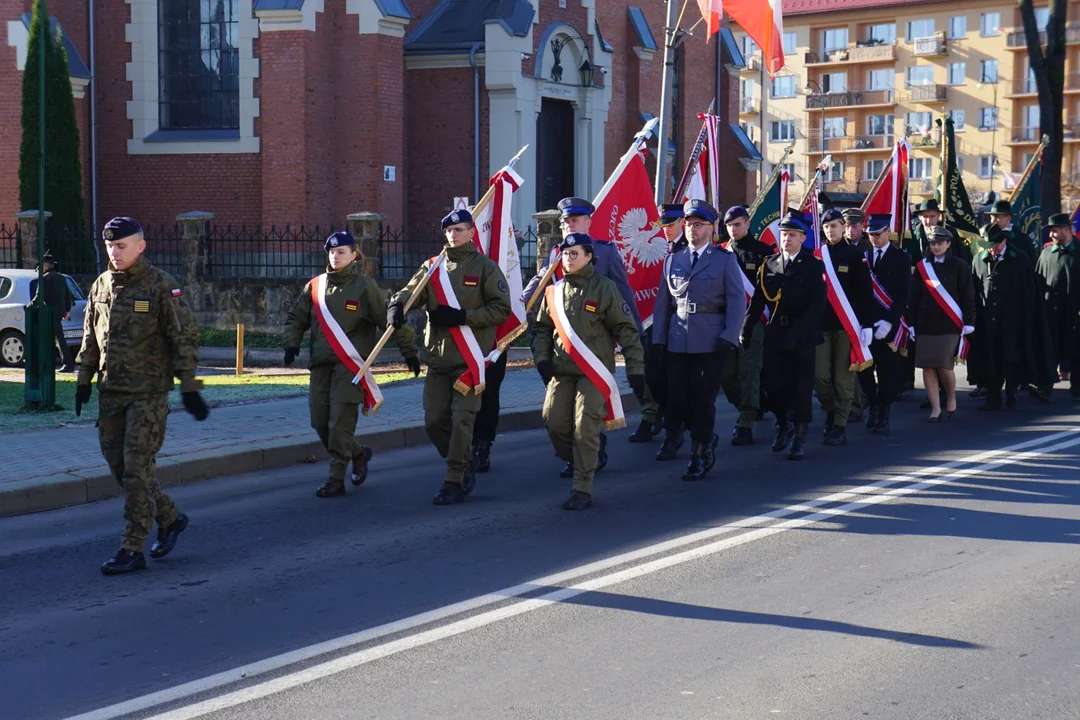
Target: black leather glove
[
  {"x": 290, "y": 355},
  {"x": 413, "y": 364},
  {"x": 446, "y": 316},
  {"x": 82, "y": 396},
  {"x": 544, "y": 368},
  {"x": 395, "y": 316},
  {"x": 195, "y": 405},
  {"x": 637, "y": 384}
]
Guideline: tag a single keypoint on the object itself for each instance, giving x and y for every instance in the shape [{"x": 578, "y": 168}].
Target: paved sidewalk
[{"x": 49, "y": 469}]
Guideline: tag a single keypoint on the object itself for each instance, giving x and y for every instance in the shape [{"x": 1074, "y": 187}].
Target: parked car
[{"x": 15, "y": 286}]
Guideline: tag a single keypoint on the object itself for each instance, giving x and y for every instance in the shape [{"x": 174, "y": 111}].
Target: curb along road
[{"x": 77, "y": 487}]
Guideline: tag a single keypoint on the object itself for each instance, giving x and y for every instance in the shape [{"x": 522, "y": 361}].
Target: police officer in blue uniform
[{"x": 697, "y": 321}]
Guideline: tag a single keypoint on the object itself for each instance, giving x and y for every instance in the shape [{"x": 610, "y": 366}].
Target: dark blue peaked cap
[
  {"x": 701, "y": 209},
  {"x": 795, "y": 220},
  {"x": 879, "y": 222},
  {"x": 670, "y": 213},
  {"x": 571, "y": 206}
]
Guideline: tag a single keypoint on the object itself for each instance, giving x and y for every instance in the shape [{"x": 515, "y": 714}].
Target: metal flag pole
[
  {"x": 692, "y": 164},
  {"x": 824, "y": 165},
  {"x": 670, "y": 30}
]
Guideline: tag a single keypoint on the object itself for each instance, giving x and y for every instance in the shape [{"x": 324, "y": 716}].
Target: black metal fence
[
  {"x": 10, "y": 246},
  {"x": 265, "y": 253},
  {"x": 164, "y": 248}
]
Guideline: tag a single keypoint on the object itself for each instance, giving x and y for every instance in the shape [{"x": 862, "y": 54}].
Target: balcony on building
[
  {"x": 1017, "y": 41},
  {"x": 1025, "y": 86},
  {"x": 753, "y": 63},
  {"x": 1072, "y": 83},
  {"x": 921, "y": 141},
  {"x": 848, "y": 143},
  {"x": 1023, "y": 135},
  {"x": 1070, "y": 129},
  {"x": 851, "y": 98},
  {"x": 932, "y": 93},
  {"x": 921, "y": 185},
  {"x": 749, "y": 106},
  {"x": 935, "y": 44},
  {"x": 860, "y": 53}
]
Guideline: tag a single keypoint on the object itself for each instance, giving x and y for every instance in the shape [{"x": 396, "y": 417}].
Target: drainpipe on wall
[
  {"x": 476, "y": 121},
  {"x": 93, "y": 139}
]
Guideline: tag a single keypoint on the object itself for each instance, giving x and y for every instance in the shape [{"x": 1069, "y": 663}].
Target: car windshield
[
  {"x": 5, "y": 287},
  {"x": 76, "y": 292}
]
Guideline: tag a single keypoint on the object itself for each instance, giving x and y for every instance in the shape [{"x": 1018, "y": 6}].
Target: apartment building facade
[{"x": 861, "y": 74}]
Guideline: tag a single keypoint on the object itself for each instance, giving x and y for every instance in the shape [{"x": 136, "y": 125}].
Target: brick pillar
[
  {"x": 367, "y": 227},
  {"x": 28, "y": 236},
  {"x": 196, "y": 227},
  {"x": 548, "y": 234}
]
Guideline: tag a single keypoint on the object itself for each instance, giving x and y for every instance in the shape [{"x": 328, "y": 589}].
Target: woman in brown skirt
[{"x": 937, "y": 335}]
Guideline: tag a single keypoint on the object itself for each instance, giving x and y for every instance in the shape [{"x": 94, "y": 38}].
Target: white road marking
[{"x": 855, "y": 499}]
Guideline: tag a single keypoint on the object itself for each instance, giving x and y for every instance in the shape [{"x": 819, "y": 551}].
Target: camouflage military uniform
[
  {"x": 481, "y": 289},
  {"x": 359, "y": 306},
  {"x": 137, "y": 335},
  {"x": 574, "y": 407}
]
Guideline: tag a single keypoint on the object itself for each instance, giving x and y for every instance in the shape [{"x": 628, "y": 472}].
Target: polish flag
[
  {"x": 889, "y": 194},
  {"x": 763, "y": 21},
  {"x": 711, "y": 11}
]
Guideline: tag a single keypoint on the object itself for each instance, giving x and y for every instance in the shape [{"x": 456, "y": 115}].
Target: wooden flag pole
[
  {"x": 692, "y": 165},
  {"x": 877, "y": 183},
  {"x": 822, "y": 166},
  {"x": 1030, "y": 166}
]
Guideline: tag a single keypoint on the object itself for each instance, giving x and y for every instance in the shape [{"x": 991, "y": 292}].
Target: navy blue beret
[
  {"x": 795, "y": 220},
  {"x": 830, "y": 215},
  {"x": 670, "y": 213},
  {"x": 341, "y": 238},
  {"x": 701, "y": 209},
  {"x": 572, "y": 206},
  {"x": 735, "y": 212},
  {"x": 581, "y": 240},
  {"x": 121, "y": 227},
  {"x": 456, "y": 217}
]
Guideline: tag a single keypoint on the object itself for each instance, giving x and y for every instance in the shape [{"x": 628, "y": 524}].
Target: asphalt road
[{"x": 930, "y": 574}]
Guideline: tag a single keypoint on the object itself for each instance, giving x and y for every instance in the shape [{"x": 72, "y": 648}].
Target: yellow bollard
[{"x": 240, "y": 348}]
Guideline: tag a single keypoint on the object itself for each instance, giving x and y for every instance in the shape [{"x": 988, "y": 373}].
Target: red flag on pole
[
  {"x": 763, "y": 21},
  {"x": 889, "y": 195},
  {"x": 711, "y": 12}
]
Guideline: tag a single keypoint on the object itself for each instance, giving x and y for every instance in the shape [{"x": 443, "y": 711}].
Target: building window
[
  {"x": 958, "y": 27},
  {"x": 1042, "y": 17},
  {"x": 988, "y": 118},
  {"x": 834, "y": 39},
  {"x": 749, "y": 47},
  {"x": 958, "y": 120},
  {"x": 879, "y": 125},
  {"x": 198, "y": 65},
  {"x": 1030, "y": 86},
  {"x": 834, "y": 127},
  {"x": 1026, "y": 160},
  {"x": 957, "y": 71},
  {"x": 920, "y": 75},
  {"x": 782, "y": 131},
  {"x": 751, "y": 130},
  {"x": 783, "y": 86},
  {"x": 919, "y": 29},
  {"x": 882, "y": 79},
  {"x": 986, "y": 166},
  {"x": 874, "y": 169},
  {"x": 988, "y": 71},
  {"x": 990, "y": 24},
  {"x": 884, "y": 34},
  {"x": 835, "y": 173},
  {"x": 919, "y": 122},
  {"x": 790, "y": 168},
  {"x": 834, "y": 82},
  {"x": 920, "y": 168},
  {"x": 790, "y": 47}
]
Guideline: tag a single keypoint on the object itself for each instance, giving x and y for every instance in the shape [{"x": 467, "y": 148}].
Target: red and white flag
[
  {"x": 890, "y": 195},
  {"x": 711, "y": 12},
  {"x": 626, "y": 215},
  {"x": 763, "y": 21},
  {"x": 495, "y": 238},
  {"x": 704, "y": 179},
  {"x": 812, "y": 207}
]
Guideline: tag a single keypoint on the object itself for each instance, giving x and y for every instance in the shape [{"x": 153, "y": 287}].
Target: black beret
[
  {"x": 581, "y": 240},
  {"x": 342, "y": 238},
  {"x": 735, "y": 212},
  {"x": 831, "y": 215},
  {"x": 457, "y": 217},
  {"x": 121, "y": 227},
  {"x": 572, "y": 206}
]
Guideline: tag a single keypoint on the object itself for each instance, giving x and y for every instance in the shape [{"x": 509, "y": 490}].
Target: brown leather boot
[{"x": 332, "y": 488}]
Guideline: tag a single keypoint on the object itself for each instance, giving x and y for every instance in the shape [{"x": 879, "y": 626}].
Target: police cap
[
  {"x": 573, "y": 206},
  {"x": 701, "y": 209}
]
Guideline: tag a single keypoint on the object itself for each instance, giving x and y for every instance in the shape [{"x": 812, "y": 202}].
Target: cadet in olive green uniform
[
  {"x": 481, "y": 291},
  {"x": 574, "y": 408},
  {"x": 137, "y": 335},
  {"x": 358, "y": 305}
]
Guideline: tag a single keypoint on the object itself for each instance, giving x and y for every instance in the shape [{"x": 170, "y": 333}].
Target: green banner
[
  {"x": 765, "y": 220},
  {"x": 951, "y": 193}
]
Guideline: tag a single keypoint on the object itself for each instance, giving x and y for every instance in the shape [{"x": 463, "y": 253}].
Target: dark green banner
[{"x": 951, "y": 193}]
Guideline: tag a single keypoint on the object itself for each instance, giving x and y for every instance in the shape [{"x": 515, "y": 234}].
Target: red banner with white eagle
[{"x": 626, "y": 215}]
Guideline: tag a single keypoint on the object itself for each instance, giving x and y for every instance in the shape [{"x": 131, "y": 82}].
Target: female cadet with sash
[
  {"x": 344, "y": 312},
  {"x": 588, "y": 315}
]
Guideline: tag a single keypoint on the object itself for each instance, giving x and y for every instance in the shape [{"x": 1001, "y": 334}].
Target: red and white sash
[
  {"x": 899, "y": 342},
  {"x": 584, "y": 358},
  {"x": 861, "y": 358},
  {"x": 473, "y": 379},
  {"x": 946, "y": 303},
  {"x": 343, "y": 347}
]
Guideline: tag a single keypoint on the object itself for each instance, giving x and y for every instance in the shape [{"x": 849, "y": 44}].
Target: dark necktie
[
  {"x": 877, "y": 258},
  {"x": 693, "y": 262}
]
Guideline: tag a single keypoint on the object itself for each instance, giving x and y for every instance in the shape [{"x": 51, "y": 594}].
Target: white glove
[
  {"x": 911, "y": 333},
  {"x": 881, "y": 329},
  {"x": 866, "y": 335},
  {"x": 967, "y": 330}
]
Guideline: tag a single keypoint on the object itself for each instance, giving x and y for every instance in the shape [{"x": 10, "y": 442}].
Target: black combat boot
[
  {"x": 468, "y": 480},
  {"x": 783, "y": 436},
  {"x": 695, "y": 469},
  {"x": 1010, "y": 398},
  {"x": 601, "y": 455},
  {"x": 838, "y": 436},
  {"x": 992, "y": 402},
  {"x": 743, "y": 436},
  {"x": 882, "y": 426},
  {"x": 567, "y": 470},
  {"x": 670, "y": 449},
  {"x": 124, "y": 562},
  {"x": 449, "y": 494},
  {"x": 577, "y": 501},
  {"x": 830, "y": 420},
  {"x": 710, "y": 452},
  {"x": 359, "y": 465},
  {"x": 481, "y": 456},
  {"x": 872, "y": 417},
  {"x": 167, "y": 536},
  {"x": 797, "y": 452},
  {"x": 331, "y": 489},
  {"x": 645, "y": 433}
]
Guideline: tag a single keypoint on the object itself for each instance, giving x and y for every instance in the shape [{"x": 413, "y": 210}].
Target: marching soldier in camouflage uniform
[
  {"x": 358, "y": 305},
  {"x": 482, "y": 292},
  {"x": 137, "y": 335},
  {"x": 574, "y": 407},
  {"x": 741, "y": 381}
]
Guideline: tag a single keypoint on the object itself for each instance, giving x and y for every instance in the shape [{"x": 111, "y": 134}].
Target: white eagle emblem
[{"x": 639, "y": 240}]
